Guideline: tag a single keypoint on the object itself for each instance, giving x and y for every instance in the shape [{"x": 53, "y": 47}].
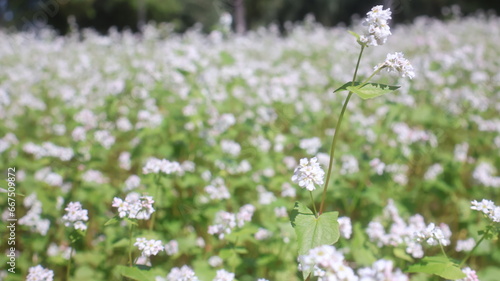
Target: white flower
[
  {"x": 75, "y": 216},
  {"x": 308, "y": 174},
  {"x": 397, "y": 63},
  {"x": 172, "y": 247},
  {"x": 185, "y": 273},
  {"x": 223, "y": 275},
  {"x": 378, "y": 27},
  {"x": 134, "y": 206},
  {"x": 38, "y": 273},
  {"x": 345, "y": 227},
  {"x": 149, "y": 247}
]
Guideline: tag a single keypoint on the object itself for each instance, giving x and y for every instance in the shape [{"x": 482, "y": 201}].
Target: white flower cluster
[
  {"x": 345, "y": 227},
  {"x": 75, "y": 216},
  {"x": 38, "y": 273},
  {"x": 378, "y": 28},
  {"x": 230, "y": 147},
  {"x": 308, "y": 173},
  {"x": 94, "y": 176},
  {"x": 349, "y": 165},
  {"x": 223, "y": 275},
  {"x": 49, "y": 177},
  {"x": 434, "y": 235},
  {"x": 381, "y": 270},
  {"x": 433, "y": 172},
  {"x": 185, "y": 273},
  {"x": 465, "y": 245},
  {"x": 155, "y": 166},
  {"x": 327, "y": 264},
  {"x": 488, "y": 208},
  {"x": 33, "y": 217},
  {"x": 483, "y": 173},
  {"x": 217, "y": 190},
  {"x": 408, "y": 234},
  {"x": 225, "y": 222},
  {"x": 172, "y": 247},
  {"x": 48, "y": 149},
  {"x": 311, "y": 146},
  {"x": 470, "y": 275},
  {"x": 134, "y": 206},
  {"x": 262, "y": 234},
  {"x": 149, "y": 247},
  {"x": 396, "y": 62}
]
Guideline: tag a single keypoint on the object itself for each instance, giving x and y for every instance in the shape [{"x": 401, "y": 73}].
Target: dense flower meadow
[{"x": 180, "y": 157}]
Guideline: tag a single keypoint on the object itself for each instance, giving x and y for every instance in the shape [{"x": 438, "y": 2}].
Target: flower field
[{"x": 171, "y": 157}]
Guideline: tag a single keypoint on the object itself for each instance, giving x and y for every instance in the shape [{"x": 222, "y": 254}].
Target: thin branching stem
[{"x": 337, "y": 129}]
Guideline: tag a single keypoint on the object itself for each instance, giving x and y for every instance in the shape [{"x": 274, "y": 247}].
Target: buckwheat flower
[
  {"x": 149, "y": 247},
  {"x": 185, "y": 273},
  {"x": 485, "y": 206},
  {"x": 172, "y": 247},
  {"x": 124, "y": 160},
  {"x": 223, "y": 275},
  {"x": 470, "y": 275},
  {"x": 230, "y": 147},
  {"x": 215, "y": 261},
  {"x": 378, "y": 28},
  {"x": 311, "y": 146},
  {"x": 287, "y": 190},
  {"x": 155, "y": 166},
  {"x": 280, "y": 212},
  {"x": 397, "y": 63},
  {"x": 217, "y": 190},
  {"x": 38, "y": 273},
  {"x": 433, "y": 172},
  {"x": 345, "y": 227},
  {"x": 308, "y": 174},
  {"x": 263, "y": 234},
  {"x": 245, "y": 214},
  {"x": 132, "y": 183},
  {"x": 265, "y": 197},
  {"x": 465, "y": 245},
  {"x": 134, "y": 206},
  {"x": 75, "y": 216},
  {"x": 224, "y": 224}
]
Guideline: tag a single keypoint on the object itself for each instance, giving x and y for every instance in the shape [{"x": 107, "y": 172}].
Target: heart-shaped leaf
[
  {"x": 313, "y": 232},
  {"x": 368, "y": 90}
]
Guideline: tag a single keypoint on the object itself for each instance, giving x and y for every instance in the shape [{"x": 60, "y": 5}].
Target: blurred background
[{"x": 246, "y": 14}]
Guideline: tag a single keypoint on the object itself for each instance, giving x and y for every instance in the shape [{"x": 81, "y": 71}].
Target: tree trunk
[{"x": 239, "y": 16}]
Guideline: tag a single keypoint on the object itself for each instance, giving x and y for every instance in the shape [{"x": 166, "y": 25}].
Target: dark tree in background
[{"x": 183, "y": 14}]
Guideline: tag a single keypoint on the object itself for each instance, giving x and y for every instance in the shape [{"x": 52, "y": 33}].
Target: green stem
[
  {"x": 157, "y": 191},
  {"x": 337, "y": 129},
  {"x": 475, "y": 247},
  {"x": 68, "y": 270},
  {"x": 314, "y": 205},
  {"x": 130, "y": 245},
  {"x": 442, "y": 250},
  {"x": 369, "y": 78}
]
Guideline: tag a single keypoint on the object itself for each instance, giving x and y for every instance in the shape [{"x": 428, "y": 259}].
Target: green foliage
[
  {"x": 367, "y": 90},
  {"x": 313, "y": 231},
  {"x": 438, "y": 265}
]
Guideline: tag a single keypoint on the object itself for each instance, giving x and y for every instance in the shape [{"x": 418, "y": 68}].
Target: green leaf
[
  {"x": 354, "y": 34},
  {"x": 112, "y": 221},
  {"x": 439, "y": 265},
  {"x": 400, "y": 253},
  {"x": 313, "y": 232},
  {"x": 360, "y": 250},
  {"x": 135, "y": 273},
  {"x": 367, "y": 91}
]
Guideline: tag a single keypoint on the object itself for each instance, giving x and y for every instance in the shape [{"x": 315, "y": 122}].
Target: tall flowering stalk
[{"x": 318, "y": 228}]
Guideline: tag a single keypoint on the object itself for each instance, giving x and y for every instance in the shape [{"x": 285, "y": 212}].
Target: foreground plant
[{"x": 316, "y": 228}]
